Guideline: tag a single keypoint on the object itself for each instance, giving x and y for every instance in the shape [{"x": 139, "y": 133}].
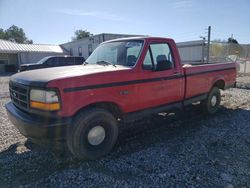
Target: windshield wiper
[{"x": 105, "y": 63}]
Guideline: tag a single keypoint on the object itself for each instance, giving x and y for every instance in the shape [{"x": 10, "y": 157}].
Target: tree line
[{"x": 16, "y": 34}]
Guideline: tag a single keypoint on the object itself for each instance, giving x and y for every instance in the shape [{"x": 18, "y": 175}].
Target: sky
[{"x": 54, "y": 21}]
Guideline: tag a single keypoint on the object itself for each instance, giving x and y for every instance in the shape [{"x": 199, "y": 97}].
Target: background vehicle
[
  {"x": 122, "y": 79},
  {"x": 53, "y": 61}
]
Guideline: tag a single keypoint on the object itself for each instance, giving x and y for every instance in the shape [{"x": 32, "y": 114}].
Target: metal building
[
  {"x": 13, "y": 54},
  {"x": 192, "y": 51}
]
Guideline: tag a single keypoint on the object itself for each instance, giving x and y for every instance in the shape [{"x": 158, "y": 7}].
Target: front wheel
[
  {"x": 212, "y": 103},
  {"x": 93, "y": 134}
]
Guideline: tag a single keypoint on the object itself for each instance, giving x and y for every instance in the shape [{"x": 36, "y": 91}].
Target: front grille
[{"x": 19, "y": 95}]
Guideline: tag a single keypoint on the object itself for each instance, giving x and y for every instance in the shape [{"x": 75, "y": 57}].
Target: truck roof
[{"x": 137, "y": 38}]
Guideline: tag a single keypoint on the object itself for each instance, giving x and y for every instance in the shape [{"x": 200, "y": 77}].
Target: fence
[
  {"x": 195, "y": 52},
  {"x": 239, "y": 53}
]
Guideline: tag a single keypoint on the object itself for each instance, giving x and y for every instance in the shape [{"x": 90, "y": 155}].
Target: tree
[
  {"x": 80, "y": 34},
  {"x": 2, "y": 34},
  {"x": 234, "y": 47},
  {"x": 232, "y": 40},
  {"x": 15, "y": 34},
  {"x": 216, "y": 49}
]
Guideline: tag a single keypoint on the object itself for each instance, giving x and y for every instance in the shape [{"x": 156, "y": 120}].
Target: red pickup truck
[{"x": 122, "y": 79}]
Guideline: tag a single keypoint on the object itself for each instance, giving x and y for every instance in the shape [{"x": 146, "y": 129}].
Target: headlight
[{"x": 44, "y": 100}]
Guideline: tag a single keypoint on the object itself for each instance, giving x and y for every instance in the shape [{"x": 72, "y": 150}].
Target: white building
[{"x": 13, "y": 54}]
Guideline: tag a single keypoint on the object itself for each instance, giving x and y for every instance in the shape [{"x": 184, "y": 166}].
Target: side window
[
  {"x": 51, "y": 62},
  {"x": 59, "y": 61},
  {"x": 69, "y": 61},
  {"x": 62, "y": 61},
  {"x": 161, "y": 51},
  {"x": 147, "y": 63},
  {"x": 79, "y": 60}
]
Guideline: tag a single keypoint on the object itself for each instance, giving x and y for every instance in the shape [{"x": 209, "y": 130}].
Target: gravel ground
[
  {"x": 243, "y": 82},
  {"x": 183, "y": 150}
]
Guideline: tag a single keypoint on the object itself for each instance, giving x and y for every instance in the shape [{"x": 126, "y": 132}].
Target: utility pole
[
  {"x": 208, "y": 43},
  {"x": 203, "y": 48}
]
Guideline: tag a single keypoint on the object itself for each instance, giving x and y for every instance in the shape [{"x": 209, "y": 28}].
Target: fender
[
  {"x": 73, "y": 102},
  {"x": 219, "y": 78}
]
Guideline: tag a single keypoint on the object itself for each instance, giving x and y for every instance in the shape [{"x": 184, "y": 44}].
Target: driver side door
[{"x": 162, "y": 86}]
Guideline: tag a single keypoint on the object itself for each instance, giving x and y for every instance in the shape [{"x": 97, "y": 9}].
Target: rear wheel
[
  {"x": 93, "y": 134},
  {"x": 212, "y": 103}
]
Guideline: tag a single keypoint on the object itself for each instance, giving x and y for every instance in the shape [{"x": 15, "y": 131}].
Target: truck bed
[{"x": 201, "y": 78}]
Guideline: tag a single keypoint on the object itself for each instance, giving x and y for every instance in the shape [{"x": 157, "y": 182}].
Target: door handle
[
  {"x": 125, "y": 92},
  {"x": 178, "y": 74}
]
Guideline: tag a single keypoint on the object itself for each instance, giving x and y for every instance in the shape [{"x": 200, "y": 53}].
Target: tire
[
  {"x": 82, "y": 139},
  {"x": 212, "y": 103}
]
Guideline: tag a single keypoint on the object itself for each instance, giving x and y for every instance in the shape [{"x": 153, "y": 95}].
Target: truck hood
[{"x": 40, "y": 77}]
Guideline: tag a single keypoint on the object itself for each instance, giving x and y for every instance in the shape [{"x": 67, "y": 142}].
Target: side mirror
[{"x": 163, "y": 65}]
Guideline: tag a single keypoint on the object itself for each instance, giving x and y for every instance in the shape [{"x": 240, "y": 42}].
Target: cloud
[
  {"x": 96, "y": 14},
  {"x": 183, "y": 5}
]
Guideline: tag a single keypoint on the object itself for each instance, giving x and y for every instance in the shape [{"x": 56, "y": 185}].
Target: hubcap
[
  {"x": 96, "y": 135},
  {"x": 213, "y": 101}
]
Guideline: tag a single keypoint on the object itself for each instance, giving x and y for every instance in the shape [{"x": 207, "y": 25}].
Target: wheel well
[
  {"x": 220, "y": 84},
  {"x": 109, "y": 106}
]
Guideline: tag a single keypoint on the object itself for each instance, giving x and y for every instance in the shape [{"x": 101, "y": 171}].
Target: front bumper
[{"x": 37, "y": 127}]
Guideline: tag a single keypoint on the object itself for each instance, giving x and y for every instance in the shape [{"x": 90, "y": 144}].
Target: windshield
[
  {"x": 43, "y": 60},
  {"x": 123, "y": 53}
]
